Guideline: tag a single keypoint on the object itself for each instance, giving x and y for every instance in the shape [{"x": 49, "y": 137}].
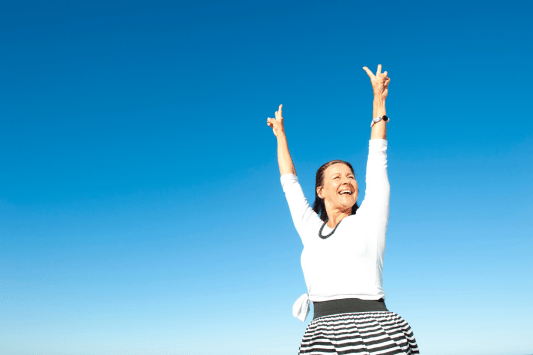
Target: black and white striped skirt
[{"x": 375, "y": 332}]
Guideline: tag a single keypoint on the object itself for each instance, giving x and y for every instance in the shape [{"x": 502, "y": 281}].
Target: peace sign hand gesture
[{"x": 380, "y": 83}]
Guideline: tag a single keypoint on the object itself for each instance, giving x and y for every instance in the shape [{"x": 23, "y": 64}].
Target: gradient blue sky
[{"x": 141, "y": 210}]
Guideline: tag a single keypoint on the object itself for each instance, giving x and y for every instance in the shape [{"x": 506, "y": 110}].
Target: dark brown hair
[{"x": 318, "y": 206}]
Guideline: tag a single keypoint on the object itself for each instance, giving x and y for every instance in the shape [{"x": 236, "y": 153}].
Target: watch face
[{"x": 377, "y": 119}]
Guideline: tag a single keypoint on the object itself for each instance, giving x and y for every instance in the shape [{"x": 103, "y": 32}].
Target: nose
[{"x": 347, "y": 181}]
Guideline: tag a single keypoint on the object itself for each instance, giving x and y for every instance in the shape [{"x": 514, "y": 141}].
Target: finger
[
  {"x": 385, "y": 73},
  {"x": 280, "y": 112},
  {"x": 379, "y": 70},
  {"x": 370, "y": 74}
]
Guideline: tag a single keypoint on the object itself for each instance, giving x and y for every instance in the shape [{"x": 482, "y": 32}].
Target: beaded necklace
[{"x": 322, "y": 228}]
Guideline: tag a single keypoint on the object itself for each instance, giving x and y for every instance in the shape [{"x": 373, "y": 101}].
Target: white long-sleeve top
[{"x": 349, "y": 263}]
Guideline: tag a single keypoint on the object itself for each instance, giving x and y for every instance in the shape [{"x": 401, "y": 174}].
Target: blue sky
[{"x": 141, "y": 210}]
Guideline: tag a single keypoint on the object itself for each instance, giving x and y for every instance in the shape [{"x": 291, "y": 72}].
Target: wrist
[
  {"x": 379, "y": 107},
  {"x": 281, "y": 136},
  {"x": 379, "y": 100}
]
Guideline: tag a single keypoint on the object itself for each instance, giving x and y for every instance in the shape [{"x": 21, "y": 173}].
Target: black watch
[{"x": 377, "y": 119}]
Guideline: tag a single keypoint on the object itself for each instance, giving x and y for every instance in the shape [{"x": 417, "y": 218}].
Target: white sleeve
[
  {"x": 377, "y": 193},
  {"x": 302, "y": 214}
]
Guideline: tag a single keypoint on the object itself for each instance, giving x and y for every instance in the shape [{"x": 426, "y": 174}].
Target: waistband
[{"x": 348, "y": 305}]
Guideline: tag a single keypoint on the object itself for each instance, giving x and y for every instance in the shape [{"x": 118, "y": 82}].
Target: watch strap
[{"x": 377, "y": 119}]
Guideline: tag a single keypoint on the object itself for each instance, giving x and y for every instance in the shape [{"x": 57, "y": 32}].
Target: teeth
[{"x": 346, "y": 192}]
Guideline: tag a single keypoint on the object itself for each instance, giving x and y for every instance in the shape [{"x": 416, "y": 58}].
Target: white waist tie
[{"x": 300, "y": 309}]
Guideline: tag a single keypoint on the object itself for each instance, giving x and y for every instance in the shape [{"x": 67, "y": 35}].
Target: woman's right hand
[{"x": 277, "y": 123}]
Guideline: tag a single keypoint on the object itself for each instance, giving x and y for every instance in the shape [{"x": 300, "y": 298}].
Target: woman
[{"x": 343, "y": 262}]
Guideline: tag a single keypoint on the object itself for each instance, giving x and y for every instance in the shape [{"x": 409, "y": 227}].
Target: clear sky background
[{"x": 141, "y": 210}]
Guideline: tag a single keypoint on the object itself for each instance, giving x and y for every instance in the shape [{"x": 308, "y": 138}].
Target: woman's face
[{"x": 339, "y": 189}]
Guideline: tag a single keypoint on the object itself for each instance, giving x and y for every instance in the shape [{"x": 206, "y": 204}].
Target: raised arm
[
  {"x": 286, "y": 165},
  {"x": 377, "y": 194},
  {"x": 302, "y": 214},
  {"x": 380, "y": 86}
]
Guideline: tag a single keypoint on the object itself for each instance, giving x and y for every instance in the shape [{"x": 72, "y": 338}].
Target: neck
[{"x": 334, "y": 217}]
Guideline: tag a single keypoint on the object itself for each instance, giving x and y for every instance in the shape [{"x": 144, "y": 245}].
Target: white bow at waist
[{"x": 300, "y": 309}]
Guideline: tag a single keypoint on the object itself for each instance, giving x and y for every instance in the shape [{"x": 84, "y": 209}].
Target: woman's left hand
[{"x": 380, "y": 83}]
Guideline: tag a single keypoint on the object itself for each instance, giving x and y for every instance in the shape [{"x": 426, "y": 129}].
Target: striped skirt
[{"x": 383, "y": 333}]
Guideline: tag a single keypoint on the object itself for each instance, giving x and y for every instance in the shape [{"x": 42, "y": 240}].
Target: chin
[{"x": 349, "y": 206}]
